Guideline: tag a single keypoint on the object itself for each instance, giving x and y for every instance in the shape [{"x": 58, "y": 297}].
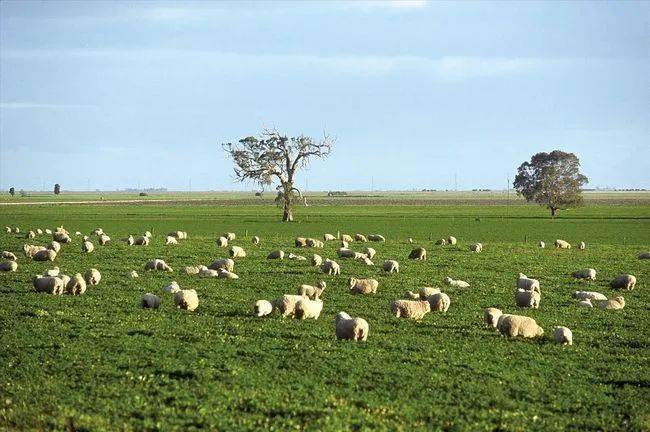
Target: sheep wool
[
  {"x": 391, "y": 266},
  {"x": 225, "y": 274},
  {"x": 30, "y": 234},
  {"x": 134, "y": 274},
  {"x": 563, "y": 335},
  {"x": 418, "y": 254},
  {"x": 224, "y": 263},
  {"x": 331, "y": 267},
  {"x": 414, "y": 309},
  {"x": 9, "y": 266},
  {"x": 476, "y": 247},
  {"x": 582, "y": 246},
  {"x": 316, "y": 260},
  {"x": 370, "y": 252},
  {"x": 141, "y": 241},
  {"x": 345, "y": 253},
  {"x": 518, "y": 325},
  {"x": 423, "y": 293},
  {"x": 455, "y": 283},
  {"x": 615, "y": 303},
  {"x": 561, "y": 244},
  {"x": 329, "y": 237},
  {"x": 452, "y": 240},
  {"x": 104, "y": 239},
  {"x": 313, "y": 243},
  {"x": 262, "y": 308},
  {"x": 44, "y": 255},
  {"x": 48, "y": 231},
  {"x": 76, "y": 285},
  {"x": 222, "y": 242},
  {"x": 527, "y": 284},
  {"x": 308, "y": 309},
  {"x": 30, "y": 250},
  {"x": 192, "y": 270},
  {"x": 589, "y": 295},
  {"x": 48, "y": 284},
  {"x": 230, "y": 236},
  {"x": 491, "y": 317},
  {"x": 347, "y": 238},
  {"x": 39, "y": 231},
  {"x": 172, "y": 288},
  {"x": 300, "y": 242},
  {"x": 287, "y": 304},
  {"x": 8, "y": 255},
  {"x": 441, "y": 242},
  {"x": 93, "y": 276},
  {"x": 587, "y": 273},
  {"x": 360, "y": 238},
  {"x": 312, "y": 292},
  {"x": 586, "y": 303},
  {"x": 157, "y": 264},
  {"x": 439, "y": 302},
  {"x": 623, "y": 281},
  {"x": 293, "y": 256},
  {"x": 237, "y": 252},
  {"x": 542, "y": 244},
  {"x": 276, "y": 254},
  {"x": 346, "y": 327},
  {"x": 255, "y": 240},
  {"x": 527, "y": 299},
  {"x": 206, "y": 272},
  {"x": 54, "y": 245},
  {"x": 363, "y": 286},
  {"x": 52, "y": 272},
  {"x": 187, "y": 299},
  {"x": 376, "y": 238},
  {"x": 87, "y": 246},
  {"x": 169, "y": 240},
  {"x": 368, "y": 261}
]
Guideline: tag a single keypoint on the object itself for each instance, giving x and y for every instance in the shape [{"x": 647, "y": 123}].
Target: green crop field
[{"x": 100, "y": 362}]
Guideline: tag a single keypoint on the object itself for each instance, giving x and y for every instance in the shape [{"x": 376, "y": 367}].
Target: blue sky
[{"x": 116, "y": 94}]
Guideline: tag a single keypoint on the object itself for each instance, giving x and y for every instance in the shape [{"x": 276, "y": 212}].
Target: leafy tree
[
  {"x": 274, "y": 156},
  {"x": 552, "y": 180},
  {"x": 12, "y": 191},
  {"x": 23, "y": 193},
  {"x": 57, "y": 189}
]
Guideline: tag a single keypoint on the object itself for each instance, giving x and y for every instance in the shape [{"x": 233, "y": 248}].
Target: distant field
[{"x": 99, "y": 362}]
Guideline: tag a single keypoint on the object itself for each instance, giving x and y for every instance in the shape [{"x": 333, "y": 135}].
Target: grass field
[{"x": 100, "y": 362}]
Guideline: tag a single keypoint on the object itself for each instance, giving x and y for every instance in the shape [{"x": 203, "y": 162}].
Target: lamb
[
  {"x": 93, "y": 276},
  {"x": 316, "y": 260},
  {"x": 222, "y": 242},
  {"x": 491, "y": 316},
  {"x": 276, "y": 254},
  {"x": 87, "y": 246},
  {"x": 563, "y": 335},
  {"x": 586, "y": 303},
  {"x": 582, "y": 245},
  {"x": 376, "y": 238},
  {"x": 76, "y": 285},
  {"x": 104, "y": 239},
  {"x": 623, "y": 281},
  {"x": 308, "y": 309},
  {"x": 172, "y": 288},
  {"x": 476, "y": 247},
  {"x": 589, "y": 295},
  {"x": 293, "y": 256},
  {"x": 391, "y": 266},
  {"x": 355, "y": 329},
  {"x": 8, "y": 255},
  {"x": 315, "y": 243},
  {"x": 192, "y": 270},
  {"x": 587, "y": 273},
  {"x": 329, "y": 237},
  {"x": 169, "y": 240},
  {"x": 418, "y": 254},
  {"x": 455, "y": 283},
  {"x": 9, "y": 266},
  {"x": 414, "y": 309},
  {"x": 363, "y": 286},
  {"x": 150, "y": 301},
  {"x": 300, "y": 242},
  {"x": 224, "y": 263},
  {"x": 423, "y": 293},
  {"x": 237, "y": 252},
  {"x": 54, "y": 245},
  {"x": 287, "y": 304},
  {"x": 225, "y": 274},
  {"x": 44, "y": 255},
  {"x": 331, "y": 267},
  {"x": 439, "y": 302},
  {"x": 30, "y": 234},
  {"x": 134, "y": 274},
  {"x": 561, "y": 244},
  {"x": 312, "y": 292},
  {"x": 230, "y": 236},
  {"x": 518, "y": 325},
  {"x": 187, "y": 299},
  {"x": 30, "y": 250},
  {"x": 441, "y": 242},
  {"x": 451, "y": 240},
  {"x": 644, "y": 255},
  {"x": 615, "y": 303},
  {"x": 48, "y": 284},
  {"x": 370, "y": 252},
  {"x": 157, "y": 264},
  {"x": 347, "y": 238},
  {"x": 262, "y": 308},
  {"x": 528, "y": 284},
  {"x": 141, "y": 241},
  {"x": 360, "y": 238},
  {"x": 527, "y": 299},
  {"x": 255, "y": 240},
  {"x": 542, "y": 244}
]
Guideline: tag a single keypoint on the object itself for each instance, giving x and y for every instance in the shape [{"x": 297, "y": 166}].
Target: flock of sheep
[{"x": 307, "y": 302}]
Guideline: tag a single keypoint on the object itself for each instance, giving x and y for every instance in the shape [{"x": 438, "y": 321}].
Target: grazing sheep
[
  {"x": 30, "y": 234},
  {"x": 53, "y": 272},
  {"x": 48, "y": 231},
  {"x": 414, "y": 309},
  {"x": 331, "y": 267},
  {"x": 30, "y": 250},
  {"x": 439, "y": 302},
  {"x": 315, "y": 243},
  {"x": 9, "y": 266},
  {"x": 391, "y": 266},
  {"x": 452, "y": 240},
  {"x": 44, "y": 255},
  {"x": 441, "y": 242},
  {"x": 287, "y": 304},
  {"x": 418, "y": 254},
  {"x": 293, "y": 256},
  {"x": 93, "y": 276},
  {"x": 16, "y": 230},
  {"x": 230, "y": 236},
  {"x": 39, "y": 231},
  {"x": 87, "y": 246},
  {"x": 206, "y": 272},
  {"x": 623, "y": 281},
  {"x": 169, "y": 240},
  {"x": 376, "y": 238},
  {"x": 141, "y": 241},
  {"x": 644, "y": 255},
  {"x": 186, "y": 299},
  {"x": 316, "y": 260},
  {"x": 360, "y": 238},
  {"x": 518, "y": 325},
  {"x": 8, "y": 255},
  {"x": 370, "y": 252},
  {"x": 345, "y": 244},
  {"x": 150, "y": 301},
  {"x": 355, "y": 329},
  {"x": 237, "y": 252},
  {"x": 582, "y": 245},
  {"x": 222, "y": 242},
  {"x": 527, "y": 299},
  {"x": 191, "y": 270},
  {"x": 276, "y": 254},
  {"x": 615, "y": 303},
  {"x": 157, "y": 264},
  {"x": 224, "y": 263},
  {"x": 262, "y": 308},
  {"x": 48, "y": 284},
  {"x": 527, "y": 284},
  {"x": 345, "y": 253},
  {"x": 329, "y": 237},
  {"x": 561, "y": 244},
  {"x": 423, "y": 293},
  {"x": 585, "y": 303},
  {"x": 76, "y": 285},
  {"x": 172, "y": 288},
  {"x": 104, "y": 239},
  {"x": 312, "y": 292},
  {"x": 300, "y": 242},
  {"x": 455, "y": 283},
  {"x": 563, "y": 335},
  {"x": 542, "y": 244},
  {"x": 589, "y": 295},
  {"x": 308, "y": 309},
  {"x": 129, "y": 240},
  {"x": 61, "y": 237},
  {"x": 54, "y": 245},
  {"x": 587, "y": 273},
  {"x": 134, "y": 274},
  {"x": 476, "y": 247},
  {"x": 225, "y": 274},
  {"x": 179, "y": 235},
  {"x": 97, "y": 232},
  {"x": 347, "y": 238},
  {"x": 255, "y": 240},
  {"x": 491, "y": 317},
  {"x": 363, "y": 286}
]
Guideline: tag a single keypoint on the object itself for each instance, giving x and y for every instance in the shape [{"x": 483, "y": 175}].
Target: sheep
[
  {"x": 423, "y": 293},
  {"x": 439, "y": 302},
  {"x": 150, "y": 301},
  {"x": 53, "y": 272},
  {"x": 363, "y": 286},
  {"x": 316, "y": 260},
  {"x": 147, "y": 234},
  {"x": 169, "y": 240},
  {"x": 77, "y": 233},
  {"x": 312, "y": 292},
  {"x": 360, "y": 238},
  {"x": 345, "y": 244},
  {"x": 172, "y": 288},
  {"x": 93, "y": 276},
  {"x": 414, "y": 309},
  {"x": 262, "y": 308},
  {"x": 588, "y": 295},
  {"x": 48, "y": 284},
  {"x": 376, "y": 238},
  {"x": 615, "y": 303},
  {"x": 141, "y": 241},
  {"x": 623, "y": 281},
  {"x": 61, "y": 237},
  {"x": 225, "y": 274},
  {"x": 644, "y": 255},
  {"x": 518, "y": 325},
  {"x": 287, "y": 304},
  {"x": 224, "y": 263},
  {"x": 97, "y": 232},
  {"x": 53, "y": 245},
  {"x": 345, "y": 253},
  {"x": 308, "y": 309},
  {"x": 542, "y": 244},
  {"x": 491, "y": 317},
  {"x": 563, "y": 335},
  {"x": 76, "y": 285},
  {"x": 8, "y": 255},
  {"x": 44, "y": 255},
  {"x": 129, "y": 240},
  {"x": 157, "y": 264},
  {"x": 586, "y": 303},
  {"x": 255, "y": 240},
  {"x": 476, "y": 247},
  {"x": 276, "y": 254},
  {"x": 30, "y": 250},
  {"x": 561, "y": 244},
  {"x": 48, "y": 231},
  {"x": 391, "y": 266},
  {"x": 191, "y": 270},
  {"x": 451, "y": 240},
  {"x": 347, "y": 238},
  {"x": 186, "y": 299},
  {"x": 368, "y": 261},
  {"x": 528, "y": 284},
  {"x": 179, "y": 235},
  {"x": 30, "y": 234},
  {"x": 300, "y": 242},
  {"x": 134, "y": 274},
  {"x": 237, "y": 252},
  {"x": 9, "y": 266},
  {"x": 587, "y": 273},
  {"x": 370, "y": 252},
  {"x": 582, "y": 245},
  {"x": 455, "y": 283},
  {"x": 315, "y": 243},
  {"x": 230, "y": 236},
  {"x": 222, "y": 242},
  {"x": 206, "y": 272},
  {"x": 355, "y": 329},
  {"x": 293, "y": 256},
  {"x": 331, "y": 267},
  {"x": 329, "y": 237},
  {"x": 104, "y": 239},
  {"x": 16, "y": 230},
  {"x": 87, "y": 246},
  {"x": 441, "y": 242},
  {"x": 418, "y": 254},
  {"x": 527, "y": 299},
  {"x": 8, "y": 230}
]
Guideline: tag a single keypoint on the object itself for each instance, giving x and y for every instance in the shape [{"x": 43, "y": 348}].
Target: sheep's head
[
  {"x": 352, "y": 282},
  {"x": 321, "y": 285}
]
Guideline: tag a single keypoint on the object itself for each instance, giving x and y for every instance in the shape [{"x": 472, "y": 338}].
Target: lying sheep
[
  {"x": 376, "y": 238},
  {"x": 439, "y": 302},
  {"x": 97, "y": 232},
  {"x": 441, "y": 242},
  {"x": 237, "y": 252},
  {"x": 44, "y": 255},
  {"x": 300, "y": 242},
  {"x": 295, "y": 257},
  {"x": 230, "y": 236},
  {"x": 224, "y": 263},
  {"x": 391, "y": 266},
  {"x": 329, "y": 237},
  {"x": 527, "y": 284},
  {"x": 363, "y": 286},
  {"x": 157, "y": 264},
  {"x": 287, "y": 304},
  {"x": 455, "y": 283},
  {"x": 308, "y": 309},
  {"x": 589, "y": 295},
  {"x": 582, "y": 245},
  {"x": 360, "y": 238},
  {"x": 104, "y": 239},
  {"x": 355, "y": 329},
  {"x": 192, "y": 270},
  {"x": 370, "y": 252},
  {"x": 587, "y": 273},
  {"x": 61, "y": 237},
  {"x": 414, "y": 309},
  {"x": 623, "y": 281},
  {"x": 206, "y": 272},
  {"x": 150, "y": 301},
  {"x": 48, "y": 284},
  {"x": 87, "y": 246},
  {"x": 518, "y": 325},
  {"x": 615, "y": 303},
  {"x": 76, "y": 285},
  {"x": 222, "y": 242},
  {"x": 423, "y": 293},
  {"x": 54, "y": 245},
  {"x": 93, "y": 276},
  {"x": 276, "y": 254},
  {"x": 644, "y": 255},
  {"x": 316, "y": 260},
  {"x": 491, "y": 317},
  {"x": 169, "y": 240},
  {"x": 172, "y": 288},
  {"x": 542, "y": 244},
  {"x": 345, "y": 244},
  {"x": 8, "y": 255},
  {"x": 313, "y": 243},
  {"x": 39, "y": 231},
  {"x": 527, "y": 299},
  {"x": 30, "y": 250},
  {"x": 331, "y": 267},
  {"x": 48, "y": 231},
  {"x": 225, "y": 274},
  {"x": 585, "y": 303},
  {"x": 561, "y": 244},
  {"x": 451, "y": 240},
  {"x": 418, "y": 254},
  {"x": 563, "y": 335},
  {"x": 347, "y": 238},
  {"x": 312, "y": 292},
  {"x": 262, "y": 308},
  {"x": 141, "y": 241},
  {"x": 255, "y": 240},
  {"x": 9, "y": 266},
  {"x": 30, "y": 234},
  {"x": 187, "y": 299},
  {"x": 476, "y": 247}
]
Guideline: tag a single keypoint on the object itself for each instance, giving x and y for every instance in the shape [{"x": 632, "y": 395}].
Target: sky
[{"x": 111, "y": 95}]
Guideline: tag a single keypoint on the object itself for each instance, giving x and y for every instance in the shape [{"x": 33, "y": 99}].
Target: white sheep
[
  {"x": 518, "y": 325},
  {"x": 586, "y": 303},
  {"x": 129, "y": 240},
  {"x": 44, "y": 255},
  {"x": 9, "y": 266},
  {"x": 230, "y": 236},
  {"x": 172, "y": 288},
  {"x": 528, "y": 284},
  {"x": 104, "y": 239},
  {"x": 587, "y": 273},
  {"x": 562, "y": 244},
  {"x": 54, "y": 245},
  {"x": 418, "y": 254},
  {"x": 169, "y": 240},
  {"x": 287, "y": 304},
  {"x": 53, "y": 272},
  {"x": 345, "y": 244},
  {"x": 360, "y": 238},
  {"x": 589, "y": 295},
  {"x": 148, "y": 234},
  {"x": 150, "y": 301},
  {"x": 293, "y": 256},
  {"x": 491, "y": 316},
  {"x": 8, "y": 230},
  {"x": 48, "y": 231},
  {"x": 363, "y": 286},
  {"x": 87, "y": 246},
  {"x": 8, "y": 255},
  {"x": 187, "y": 299},
  {"x": 316, "y": 260},
  {"x": 262, "y": 308},
  {"x": 476, "y": 247},
  {"x": 157, "y": 264},
  {"x": 93, "y": 276},
  {"x": 225, "y": 274},
  {"x": 331, "y": 267},
  {"x": 439, "y": 302},
  {"x": 300, "y": 242},
  {"x": 441, "y": 242},
  {"x": 582, "y": 245},
  {"x": 30, "y": 250},
  {"x": 141, "y": 241},
  {"x": 563, "y": 335},
  {"x": 391, "y": 266},
  {"x": 542, "y": 244},
  {"x": 222, "y": 242},
  {"x": 315, "y": 243},
  {"x": 455, "y": 283},
  {"x": 376, "y": 238},
  {"x": 414, "y": 309},
  {"x": 355, "y": 329},
  {"x": 623, "y": 281},
  {"x": 370, "y": 252},
  {"x": 255, "y": 240},
  {"x": 97, "y": 232},
  {"x": 48, "y": 284},
  {"x": 347, "y": 238},
  {"x": 615, "y": 303},
  {"x": 423, "y": 293},
  {"x": 308, "y": 309},
  {"x": 206, "y": 272},
  {"x": 76, "y": 285},
  {"x": 192, "y": 270},
  {"x": 527, "y": 299},
  {"x": 452, "y": 240},
  {"x": 329, "y": 237},
  {"x": 224, "y": 263},
  {"x": 237, "y": 252},
  {"x": 30, "y": 234},
  {"x": 61, "y": 237},
  {"x": 39, "y": 231},
  {"x": 16, "y": 230},
  {"x": 312, "y": 292},
  {"x": 276, "y": 254}
]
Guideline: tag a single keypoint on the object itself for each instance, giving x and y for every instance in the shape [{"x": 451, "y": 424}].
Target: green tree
[
  {"x": 12, "y": 191},
  {"x": 57, "y": 189}
]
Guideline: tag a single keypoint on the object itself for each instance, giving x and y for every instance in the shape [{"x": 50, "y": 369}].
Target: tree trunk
[
  {"x": 287, "y": 215},
  {"x": 553, "y": 212}
]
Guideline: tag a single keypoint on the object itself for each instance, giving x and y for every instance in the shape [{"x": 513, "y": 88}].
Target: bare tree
[{"x": 275, "y": 156}]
